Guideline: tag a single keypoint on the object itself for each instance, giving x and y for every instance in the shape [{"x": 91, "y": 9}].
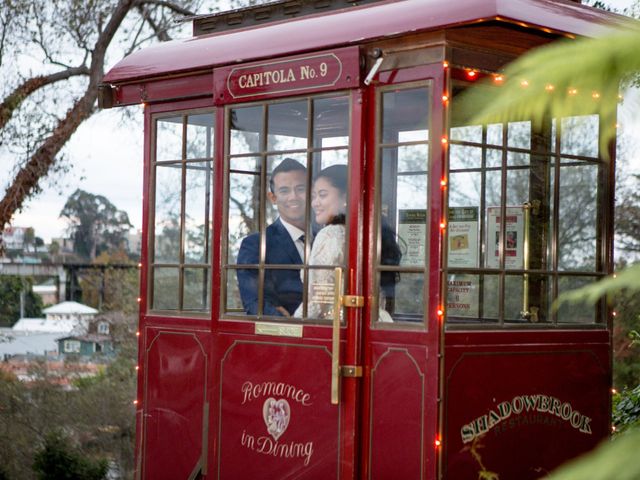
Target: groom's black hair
[{"x": 287, "y": 165}]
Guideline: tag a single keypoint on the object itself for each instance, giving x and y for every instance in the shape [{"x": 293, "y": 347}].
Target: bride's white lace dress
[{"x": 328, "y": 249}]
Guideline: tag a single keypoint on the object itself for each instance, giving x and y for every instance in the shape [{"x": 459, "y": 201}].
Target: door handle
[{"x": 335, "y": 342}]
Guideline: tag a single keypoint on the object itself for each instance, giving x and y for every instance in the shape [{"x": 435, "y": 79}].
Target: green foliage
[
  {"x": 59, "y": 460},
  {"x": 626, "y": 409},
  {"x": 616, "y": 459},
  {"x": 597, "y": 66},
  {"x": 11, "y": 287}
]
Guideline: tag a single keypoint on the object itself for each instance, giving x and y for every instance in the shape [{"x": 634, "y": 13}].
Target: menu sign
[
  {"x": 514, "y": 241},
  {"x": 463, "y": 237},
  {"x": 293, "y": 75}
]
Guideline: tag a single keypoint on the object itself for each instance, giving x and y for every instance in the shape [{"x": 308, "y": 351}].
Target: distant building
[
  {"x": 30, "y": 343},
  {"x": 72, "y": 311},
  {"x": 48, "y": 292},
  {"x": 86, "y": 345},
  {"x": 13, "y": 237}
]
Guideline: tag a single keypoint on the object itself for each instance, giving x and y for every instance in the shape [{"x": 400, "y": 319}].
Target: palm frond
[{"x": 569, "y": 77}]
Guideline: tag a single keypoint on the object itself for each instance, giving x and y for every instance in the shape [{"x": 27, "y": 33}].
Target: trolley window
[
  {"x": 287, "y": 189},
  {"x": 403, "y": 152},
  {"x": 180, "y": 246},
  {"x": 526, "y": 218}
]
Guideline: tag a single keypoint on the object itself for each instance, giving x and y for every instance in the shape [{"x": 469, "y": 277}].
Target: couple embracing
[{"x": 285, "y": 240}]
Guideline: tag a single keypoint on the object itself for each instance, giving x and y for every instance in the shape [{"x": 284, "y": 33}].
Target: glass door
[{"x": 281, "y": 406}]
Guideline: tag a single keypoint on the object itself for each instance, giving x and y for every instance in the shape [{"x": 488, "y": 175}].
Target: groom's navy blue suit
[{"x": 282, "y": 288}]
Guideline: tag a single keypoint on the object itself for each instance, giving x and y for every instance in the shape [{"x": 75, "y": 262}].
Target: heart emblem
[{"x": 276, "y": 415}]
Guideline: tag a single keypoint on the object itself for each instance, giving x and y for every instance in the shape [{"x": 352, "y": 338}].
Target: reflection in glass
[
  {"x": 464, "y": 189},
  {"x": 581, "y": 312},
  {"x": 409, "y": 298},
  {"x": 325, "y": 158},
  {"x": 580, "y": 135},
  {"x": 320, "y": 294},
  {"x": 471, "y": 133},
  {"x": 516, "y": 159},
  {"x": 246, "y": 164},
  {"x": 405, "y": 111},
  {"x": 246, "y": 130},
  {"x": 494, "y": 157},
  {"x": 199, "y": 136},
  {"x": 490, "y": 297},
  {"x": 463, "y": 295},
  {"x": 287, "y": 126},
  {"x": 494, "y": 134},
  {"x": 519, "y": 135},
  {"x": 197, "y": 212},
  {"x": 517, "y": 187},
  {"x": 169, "y": 139},
  {"x": 196, "y": 289},
  {"x": 165, "y": 288},
  {"x": 234, "y": 302},
  {"x": 578, "y": 217},
  {"x": 331, "y": 122},
  {"x": 167, "y": 213},
  {"x": 244, "y": 199},
  {"x": 461, "y": 156}
]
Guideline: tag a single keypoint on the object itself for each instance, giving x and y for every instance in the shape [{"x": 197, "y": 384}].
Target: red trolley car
[{"x": 409, "y": 333}]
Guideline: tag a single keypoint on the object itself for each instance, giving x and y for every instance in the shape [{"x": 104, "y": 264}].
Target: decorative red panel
[
  {"x": 398, "y": 389},
  {"x": 276, "y": 418},
  {"x": 173, "y": 423},
  {"x": 520, "y": 411}
]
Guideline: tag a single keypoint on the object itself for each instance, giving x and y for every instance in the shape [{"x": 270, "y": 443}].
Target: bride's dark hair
[{"x": 337, "y": 176}]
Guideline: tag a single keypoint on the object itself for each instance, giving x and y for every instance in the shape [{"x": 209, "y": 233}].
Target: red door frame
[{"x": 430, "y": 338}]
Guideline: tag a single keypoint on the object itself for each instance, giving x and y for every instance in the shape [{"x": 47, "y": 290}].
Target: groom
[{"x": 284, "y": 245}]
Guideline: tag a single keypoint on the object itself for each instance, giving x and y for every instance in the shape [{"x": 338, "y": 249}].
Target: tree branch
[
  {"x": 161, "y": 33},
  {"x": 12, "y": 101},
  {"x": 170, "y": 5}
]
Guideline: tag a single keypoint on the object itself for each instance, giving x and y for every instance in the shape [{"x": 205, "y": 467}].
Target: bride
[{"x": 329, "y": 202}]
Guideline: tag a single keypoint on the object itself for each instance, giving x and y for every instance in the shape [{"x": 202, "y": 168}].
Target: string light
[
  {"x": 472, "y": 74},
  {"x": 444, "y": 140},
  {"x": 140, "y": 265},
  {"x": 524, "y": 83},
  {"x": 137, "y": 367},
  {"x": 445, "y": 64},
  {"x": 573, "y": 91},
  {"x": 443, "y": 182},
  {"x": 614, "y": 391},
  {"x": 440, "y": 312},
  {"x": 438, "y": 443},
  {"x": 498, "y": 79},
  {"x": 445, "y": 98},
  {"x": 138, "y": 299},
  {"x": 595, "y": 95},
  {"x": 138, "y": 333},
  {"x": 442, "y": 225},
  {"x": 549, "y": 87},
  {"x": 135, "y": 402}
]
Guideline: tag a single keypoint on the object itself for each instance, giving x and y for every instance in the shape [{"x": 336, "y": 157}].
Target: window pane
[
  {"x": 461, "y": 157},
  {"x": 471, "y": 133},
  {"x": 320, "y": 294},
  {"x": 167, "y": 213},
  {"x": 580, "y": 135},
  {"x": 196, "y": 289},
  {"x": 200, "y": 136},
  {"x": 405, "y": 115},
  {"x": 287, "y": 126},
  {"x": 490, "y": 292},
  {"x": 463, "y": 296},
  {"x": 234, "y": 301},
  {"x": 197, "y": 212},
  {"x": 578, "y": 217},
  {"x": 464, "y": 189},
  {"x": 519, "y": 135},
  {"x": 246, "y": 130},
  {"x": 409, "y": 298},
  {"x": 166, "y": 288},
  {"x": 244, "y": 199},
  {"x": 494, "y": 134},
  {"x": 169, "y": 139},
  {"x": 331, "y": 122},
  {"x": 324, "y": 158},
  {"x": 575, "y": 312}
]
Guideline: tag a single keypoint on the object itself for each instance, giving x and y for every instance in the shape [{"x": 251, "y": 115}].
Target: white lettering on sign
[
  {"x": 268, "y": 446},
  {"x": 252, "y": 391},
  {"x": 524, "y": 404}
]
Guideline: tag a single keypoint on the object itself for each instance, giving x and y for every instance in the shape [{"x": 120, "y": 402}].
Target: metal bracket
[
  {"x": 351, "y": 371},
  {"x": 354, "y": 301}
]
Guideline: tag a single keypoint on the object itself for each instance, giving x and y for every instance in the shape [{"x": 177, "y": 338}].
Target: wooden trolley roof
[{"x": 349, "y": 26}]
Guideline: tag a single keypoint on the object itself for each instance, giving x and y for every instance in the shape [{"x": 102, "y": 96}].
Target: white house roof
[
  {"x": 43, "y": 325},
  {"x": 22, "y": 343},
  {"x": 69, "y": 308}
]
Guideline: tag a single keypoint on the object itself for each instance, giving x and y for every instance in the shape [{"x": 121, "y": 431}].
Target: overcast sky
[{"x": 107, "y": 160}]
